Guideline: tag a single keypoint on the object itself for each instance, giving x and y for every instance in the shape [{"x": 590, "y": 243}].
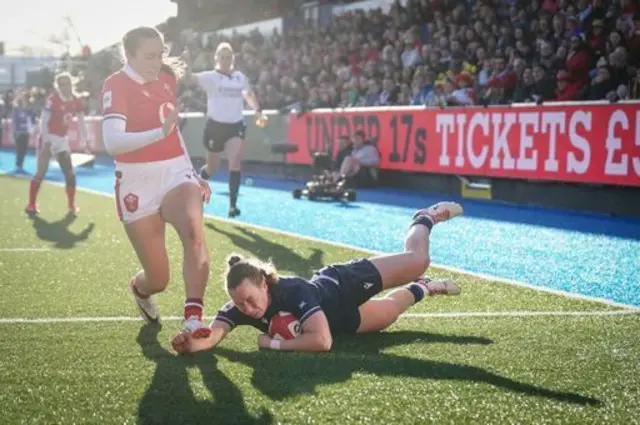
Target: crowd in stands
[
  {"x": 443, "y": 53},
  {"x": 426, "y": 52}
]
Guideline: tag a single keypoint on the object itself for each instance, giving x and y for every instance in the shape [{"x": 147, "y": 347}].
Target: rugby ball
[{"x": 284, "y": 325}]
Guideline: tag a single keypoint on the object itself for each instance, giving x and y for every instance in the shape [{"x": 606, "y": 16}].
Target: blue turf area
[{"x": 584, "y": 254}]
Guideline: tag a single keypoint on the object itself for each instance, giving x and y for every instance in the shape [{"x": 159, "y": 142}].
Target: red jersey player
[
  {"x": 60, "y": 108},
  {"x": 155, "y": 180}
]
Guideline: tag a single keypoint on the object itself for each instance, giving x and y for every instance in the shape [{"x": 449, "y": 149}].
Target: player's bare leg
[
  {"x": 182, "y": 208},
  {"x": 44, "y": 157},
  {"x": 211, "y": 166},
  {"x": 235, "y": 149},
  {"x": 398, "y": 269},
  {"x": 64, "y": 159},
  {"x": 147, "y": 235}
]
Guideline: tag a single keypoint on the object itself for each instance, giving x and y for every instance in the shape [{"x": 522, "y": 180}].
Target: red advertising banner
[
  {"x": 94, "y": 134},
  {"x": 575, "y": 143}
]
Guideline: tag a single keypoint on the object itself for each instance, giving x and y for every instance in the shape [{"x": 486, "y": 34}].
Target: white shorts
[
  {"x": 141, "y": 187},
  {"x": 56, "y": 144}
]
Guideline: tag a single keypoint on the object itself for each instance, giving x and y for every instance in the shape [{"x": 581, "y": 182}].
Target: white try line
[
  {"x": 24, "y": 249},
  {"x": 372, "y": 252},
  {"x": 471, "y": 314}
]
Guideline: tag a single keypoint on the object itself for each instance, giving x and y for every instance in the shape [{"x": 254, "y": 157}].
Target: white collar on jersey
[
  {"x": 133, "y": 74},
  {"x": 64, "y": 99}
]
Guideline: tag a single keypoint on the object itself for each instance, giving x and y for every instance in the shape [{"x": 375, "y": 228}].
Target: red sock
[
  {"x": 71, "y": 195},
  {"x": 34, "y": 187},
  {"x": 193, "y": 307}
]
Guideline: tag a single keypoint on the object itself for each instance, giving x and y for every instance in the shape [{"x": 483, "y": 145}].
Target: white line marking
[
  {"x": 24, "y": 249},
  {"x": 369, "y": 251},
  {"x": 472, "y": 314},
  {"x": 625, "y": 312}
]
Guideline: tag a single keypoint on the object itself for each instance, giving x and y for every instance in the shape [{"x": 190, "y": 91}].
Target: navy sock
[
  {"x": 424, "y": 220},
  {"x": 234, "y": 187},
  {"x": 417, "y": 290}
]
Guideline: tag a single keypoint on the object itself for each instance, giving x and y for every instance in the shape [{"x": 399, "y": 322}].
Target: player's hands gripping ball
[{"x": 284, "y": 326}]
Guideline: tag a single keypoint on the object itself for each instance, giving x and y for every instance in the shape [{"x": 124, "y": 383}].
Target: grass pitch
[{"x": 88, "y": 361}]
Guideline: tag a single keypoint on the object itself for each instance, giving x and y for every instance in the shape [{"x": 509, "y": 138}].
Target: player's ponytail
[
  {"x": 239, "y": 269},
  {"x": 233, "y": 259},
  {"x": 173, "y": 66}
]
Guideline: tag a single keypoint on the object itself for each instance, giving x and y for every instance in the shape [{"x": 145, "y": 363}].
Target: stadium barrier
[
  {"x": 597, "y": 142},
  {"x": 589, "y": 142}
]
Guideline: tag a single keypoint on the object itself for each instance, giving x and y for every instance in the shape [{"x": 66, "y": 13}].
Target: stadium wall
[{"x": 582, "y": 157}]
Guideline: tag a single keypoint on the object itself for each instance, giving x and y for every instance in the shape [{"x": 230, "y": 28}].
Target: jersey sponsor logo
[
  {"x": 107, "y": 99},
  {"x": 131, "y": 202}
]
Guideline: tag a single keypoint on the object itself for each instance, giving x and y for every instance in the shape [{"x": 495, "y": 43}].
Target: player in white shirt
[{"x": 226, "y": 89}]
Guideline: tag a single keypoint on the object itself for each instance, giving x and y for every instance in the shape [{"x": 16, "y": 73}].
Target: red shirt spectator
[
  {"x": 596, "y": 40},
  {"x": 578, "y": 61},
  {"x": 566, "y": 90}
]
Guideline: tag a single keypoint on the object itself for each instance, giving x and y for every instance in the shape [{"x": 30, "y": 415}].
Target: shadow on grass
[
  {"x": 291, "y": 374},
  {"x": 285, "y": 257},
  {"x": 58, "y": 231},
  {"x": 169, "y": 398}
]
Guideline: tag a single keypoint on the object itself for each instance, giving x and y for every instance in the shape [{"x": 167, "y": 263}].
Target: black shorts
[
  {"x": 217, "y": 134},
  {"x": 363, "y": 178},
  {"x": 359, "y": 281}
]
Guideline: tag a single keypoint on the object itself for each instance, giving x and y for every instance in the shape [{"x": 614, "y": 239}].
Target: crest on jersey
[
  {"x": 131, "y": 202},
  {"x": 106, "y": 100},
  {"x": 167, "y": 88}
]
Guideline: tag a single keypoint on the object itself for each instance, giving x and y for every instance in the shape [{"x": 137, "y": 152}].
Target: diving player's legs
[{"x": 398, "y": 269}]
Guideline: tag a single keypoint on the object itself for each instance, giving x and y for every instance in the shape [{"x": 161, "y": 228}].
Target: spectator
[
  {"x": 601, "y": 84},
  {"x": 567, "y": 89},
  {"x": 346, "y": 62},
  {"x": 389, "y": 94},
  {"x": 360, "y": 167},
  {"x": 543, "y": 87},
  {"x": 524, "y": 87}
]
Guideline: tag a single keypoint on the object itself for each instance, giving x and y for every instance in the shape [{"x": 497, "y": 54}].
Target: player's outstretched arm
[
  {"x": 315, "y": 337},
  {"x": 188, "y": 78},
  {"x": 184, "y": 342}
]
